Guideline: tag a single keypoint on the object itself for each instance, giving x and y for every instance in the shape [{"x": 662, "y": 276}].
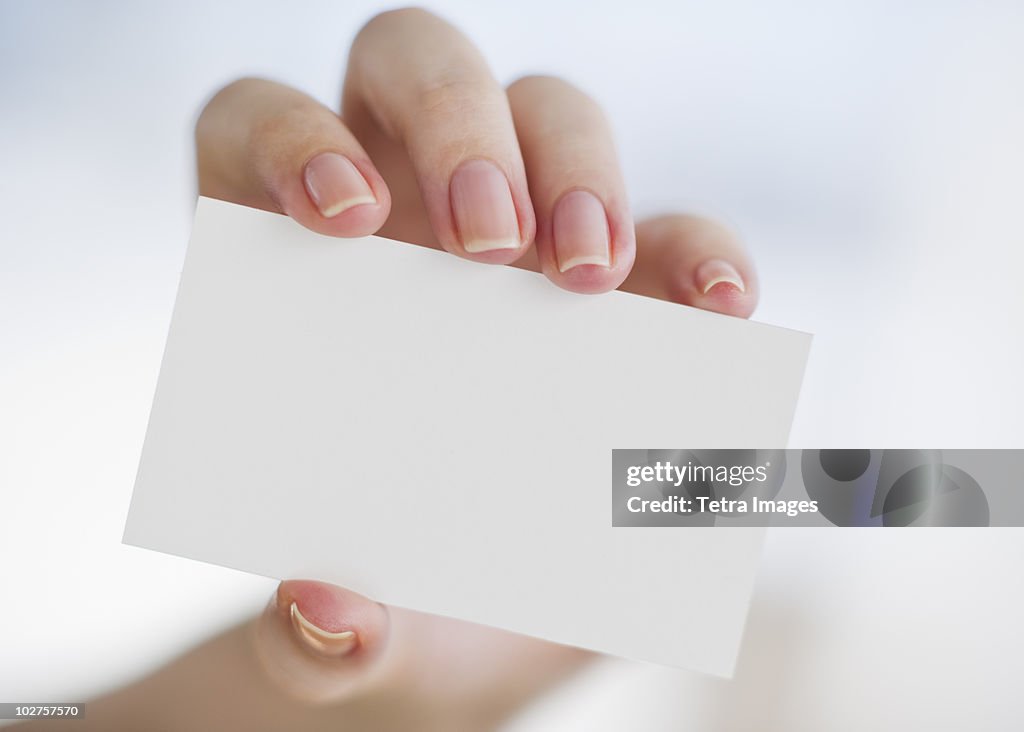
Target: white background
[{"x": 871, "y": 153}]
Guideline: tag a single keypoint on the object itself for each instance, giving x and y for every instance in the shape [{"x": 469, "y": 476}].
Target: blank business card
[{"x": 437, "y": 434}]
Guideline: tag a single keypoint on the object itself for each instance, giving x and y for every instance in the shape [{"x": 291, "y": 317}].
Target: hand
[{"x": 428, "y": 149}]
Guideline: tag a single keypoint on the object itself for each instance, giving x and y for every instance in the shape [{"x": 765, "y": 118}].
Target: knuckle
[
  {"x": 268, "y": 130},
  {"x": 454, "y": 92}
]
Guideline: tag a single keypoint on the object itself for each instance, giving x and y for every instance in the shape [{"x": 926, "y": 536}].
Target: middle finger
[{"x": 427, "y": 87}]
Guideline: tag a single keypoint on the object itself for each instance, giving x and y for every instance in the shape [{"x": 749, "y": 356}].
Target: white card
[{"x": 437, "y": 434}]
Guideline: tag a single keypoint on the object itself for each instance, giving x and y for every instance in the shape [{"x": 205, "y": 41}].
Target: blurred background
[{"x": 870, "y": 153}]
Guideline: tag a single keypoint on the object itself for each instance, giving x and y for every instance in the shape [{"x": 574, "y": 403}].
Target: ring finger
[{"x": 585, "y": 238}]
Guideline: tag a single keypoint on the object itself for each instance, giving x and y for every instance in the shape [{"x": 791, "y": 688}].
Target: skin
[{"x": 408, "y": 120}]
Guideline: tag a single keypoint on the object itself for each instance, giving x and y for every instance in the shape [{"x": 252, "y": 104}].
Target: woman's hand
[{"x": 428, "y": 149}]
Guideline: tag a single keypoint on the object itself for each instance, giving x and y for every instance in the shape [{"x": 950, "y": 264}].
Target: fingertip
[
  {"x": 727, "y": 300},
  {"x": 317, "y": 642},
  {"x": 592, "y": 279},
  {"x": 584, "y": 278},
  {"x": 719, "y": 286},
  {"x": 589, "y": 247},
  {"x": 338, "y": 195},
  {"x": 492, "y": 252},
  {"x": 491, "y": 215},
  {"x": 317, "y": 611},
  {"x": 317, "y": 639}
]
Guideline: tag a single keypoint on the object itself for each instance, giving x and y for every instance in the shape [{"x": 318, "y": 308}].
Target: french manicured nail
[
  {"x": 718, "y": 272},
  {"x": 322, "y": 641},
  {"x": 335, "y": 184},
  {"x": 483, "y": 208},
  {"x": 580, "y": 228}
]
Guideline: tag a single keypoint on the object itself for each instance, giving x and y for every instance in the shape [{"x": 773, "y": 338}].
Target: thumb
[{"x": 319, "y": 642}]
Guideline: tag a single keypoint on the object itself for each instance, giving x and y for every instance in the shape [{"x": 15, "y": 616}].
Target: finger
[
  {"x": 585, "y": 238},
  {"x": 266, "y": 145},
  {"x": 693, "y": 261},
  {"x": 319, "y": 642},
  {"x": 426, "y": 85}
]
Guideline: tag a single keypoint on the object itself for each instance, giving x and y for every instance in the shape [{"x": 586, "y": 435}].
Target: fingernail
[
  {"x": 580, "y": 227},
  {"x": 483, "y": 208},
  {"x": 716, "y": 272},
  {"x": 335, "y": 184},
  {"x": 320, "y": 640}
]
